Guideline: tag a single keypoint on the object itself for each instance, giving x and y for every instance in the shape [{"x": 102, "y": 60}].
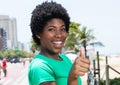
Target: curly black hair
[{"x": 43, "y": 13}]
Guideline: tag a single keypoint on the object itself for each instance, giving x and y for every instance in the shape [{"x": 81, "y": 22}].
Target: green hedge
[{"x": 115, "y": 81}]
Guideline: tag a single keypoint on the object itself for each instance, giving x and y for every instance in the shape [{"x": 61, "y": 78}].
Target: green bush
[
  {"x": 8, "y": 54},
  {"x": 115, "y": 81}
]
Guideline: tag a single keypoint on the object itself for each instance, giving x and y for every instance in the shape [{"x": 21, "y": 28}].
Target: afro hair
[{"x": 43, "y": 13}]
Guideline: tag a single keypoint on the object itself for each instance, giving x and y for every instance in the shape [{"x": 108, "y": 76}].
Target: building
[
  {"x": 10, "y": 27},
  {"x": 1, "y": 43},
  {"x": 3, "y": 40}
]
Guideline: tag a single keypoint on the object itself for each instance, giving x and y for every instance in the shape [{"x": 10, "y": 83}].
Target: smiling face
[{"x": 53, "y": 36}]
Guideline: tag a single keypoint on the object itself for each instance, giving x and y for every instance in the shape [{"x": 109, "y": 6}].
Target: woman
[{"x": 50, "y": 26}]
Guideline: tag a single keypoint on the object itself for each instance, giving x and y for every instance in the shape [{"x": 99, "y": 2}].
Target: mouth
[{"x": 58, "y": 44}]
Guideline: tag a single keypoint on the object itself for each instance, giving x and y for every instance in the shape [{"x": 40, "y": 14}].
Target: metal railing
[
  {"x": 94, "y": 76},
  {"x": 107, "y": 67}
]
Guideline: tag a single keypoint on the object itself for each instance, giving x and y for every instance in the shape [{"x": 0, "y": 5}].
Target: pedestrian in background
[
  {"x": 23, "y": 60},
  {"x": 4, "y": 67},
  {"x": 50, "y": 25}
]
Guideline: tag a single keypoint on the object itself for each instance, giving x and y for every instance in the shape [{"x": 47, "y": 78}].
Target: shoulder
[{"x": 38, "y": 63}]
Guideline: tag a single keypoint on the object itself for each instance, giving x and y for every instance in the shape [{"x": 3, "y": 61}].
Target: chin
[{"x": 57, "y": 51}]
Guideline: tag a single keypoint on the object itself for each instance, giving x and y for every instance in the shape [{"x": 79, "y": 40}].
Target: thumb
[{"x": 82, "y": 52}]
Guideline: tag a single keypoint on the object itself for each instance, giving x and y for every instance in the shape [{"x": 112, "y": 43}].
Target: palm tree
[
  {"x": 71, "y": 41},
  {"x": 85, "y": 37}
]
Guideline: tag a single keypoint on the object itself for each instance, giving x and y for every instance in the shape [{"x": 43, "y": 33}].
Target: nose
[{"x": 58, "y": 34}]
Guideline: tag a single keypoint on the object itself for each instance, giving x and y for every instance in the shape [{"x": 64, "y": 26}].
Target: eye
[
  {"x": 63, "y": 29},
  {"x": 51, "y": 29}
]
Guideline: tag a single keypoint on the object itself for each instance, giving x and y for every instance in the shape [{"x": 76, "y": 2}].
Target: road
[{"x": 16, "y": 75}]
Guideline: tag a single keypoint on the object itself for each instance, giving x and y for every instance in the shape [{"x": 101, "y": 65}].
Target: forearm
[{"x": 75, "y": 82}]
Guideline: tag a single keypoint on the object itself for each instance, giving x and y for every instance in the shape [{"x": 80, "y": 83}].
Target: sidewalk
[
  {"x": 18, "y": 76},
  {"x": 23, "y": 80}
]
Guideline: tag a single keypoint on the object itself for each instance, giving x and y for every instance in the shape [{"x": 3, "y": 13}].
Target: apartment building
[{"x": 9, "y": 26}]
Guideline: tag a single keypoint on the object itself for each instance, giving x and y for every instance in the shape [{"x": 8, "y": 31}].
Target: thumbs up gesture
[{"x": 80, "y": 66}]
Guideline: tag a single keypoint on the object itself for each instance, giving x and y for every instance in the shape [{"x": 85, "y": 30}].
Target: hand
[{"x": 80, "y": 66}]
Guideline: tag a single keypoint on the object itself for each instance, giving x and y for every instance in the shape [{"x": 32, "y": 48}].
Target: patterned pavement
[{"x": 17, "y": 74}]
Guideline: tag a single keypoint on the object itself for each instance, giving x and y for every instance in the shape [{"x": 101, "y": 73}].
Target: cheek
[{"x": 66, "y": 35}]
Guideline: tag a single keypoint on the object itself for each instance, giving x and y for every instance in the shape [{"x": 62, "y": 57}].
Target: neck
[{"x": 51, "y": 55}]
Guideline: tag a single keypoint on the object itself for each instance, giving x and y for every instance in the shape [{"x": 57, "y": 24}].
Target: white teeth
[{"x": 58, "y": 42}]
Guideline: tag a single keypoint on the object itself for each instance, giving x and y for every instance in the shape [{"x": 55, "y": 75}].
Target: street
[{"x": 16, "y": 74}]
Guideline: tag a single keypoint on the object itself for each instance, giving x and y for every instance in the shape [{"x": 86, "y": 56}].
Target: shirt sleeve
[{"x": 40, "y": 73}]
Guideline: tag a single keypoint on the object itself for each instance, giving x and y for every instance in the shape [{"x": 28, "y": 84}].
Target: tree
[
  {"x": 71, "y": 40},
  {"x": 85, "y": 37},
  {"x": 34, "y": 46}
]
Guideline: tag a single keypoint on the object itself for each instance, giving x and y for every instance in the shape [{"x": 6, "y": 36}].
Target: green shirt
[{"x": 44, "y": 69}]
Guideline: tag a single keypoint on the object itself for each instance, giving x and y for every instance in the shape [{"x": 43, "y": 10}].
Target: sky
[{"x": 103, "y": 16}]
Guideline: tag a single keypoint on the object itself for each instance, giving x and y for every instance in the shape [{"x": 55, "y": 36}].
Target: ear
[{"x": 38, "y": 36}]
